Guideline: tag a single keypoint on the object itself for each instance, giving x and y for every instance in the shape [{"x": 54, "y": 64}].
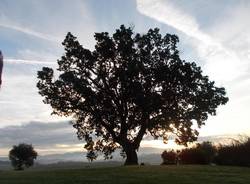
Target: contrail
[
  {"x": 30, "y": 62},
  {"x": 165, "y": 12},
  {"x": 31, "y": 32},
  {"x": 209, "y": 48}
]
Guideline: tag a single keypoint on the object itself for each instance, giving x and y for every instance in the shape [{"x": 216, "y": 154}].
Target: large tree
[{"x": 128, "y": 86}]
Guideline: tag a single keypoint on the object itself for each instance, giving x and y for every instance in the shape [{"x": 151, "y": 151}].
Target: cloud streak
[
  {"x": 208, "y": 47},
  {"x": 9, "y": 24},
  {"x": 31, "y": 32},
  {"x": 223, "y": 50},
  {"x": 166, "y": 12},
  {"x": 29, "y": 62}
]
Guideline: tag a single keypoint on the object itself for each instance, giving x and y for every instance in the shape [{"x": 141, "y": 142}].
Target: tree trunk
[
  {"x": 19, "y": 167},
  {"x": 131, "y": 156}
]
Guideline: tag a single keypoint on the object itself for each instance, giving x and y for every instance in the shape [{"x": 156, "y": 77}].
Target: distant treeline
[{"x": 237, "y": 153}]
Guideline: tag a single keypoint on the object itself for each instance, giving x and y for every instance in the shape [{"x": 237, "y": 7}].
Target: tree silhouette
[
  {"x": 128, "y": 86},
  {"x": 22, "y": 155},
  {"x": 91, "y": 155},
  {"x": 169, "y": 157}
]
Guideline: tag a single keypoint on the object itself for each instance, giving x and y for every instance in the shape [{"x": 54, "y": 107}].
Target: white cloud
[
  {"x": 208, "y": 47},
  {"x": 224, "y": 50},
  {"x": 25, "y": 54},
  {"x": 165, "y": 11},
  {"x": 19, "y": 99},
  {"x": 33, "y": 31},
  {"x": 46, "y": 137}
]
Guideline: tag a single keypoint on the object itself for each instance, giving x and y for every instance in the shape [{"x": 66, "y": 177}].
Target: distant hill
[
  {"x": 78, "y": 160},
  {"x": 4, "y": 165},
  {"x": 147, "y": 155},
  {"x": 65, "y": 157}
]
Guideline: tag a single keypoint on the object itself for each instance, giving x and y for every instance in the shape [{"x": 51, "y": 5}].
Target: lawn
[{"x": 134, "y": 174}]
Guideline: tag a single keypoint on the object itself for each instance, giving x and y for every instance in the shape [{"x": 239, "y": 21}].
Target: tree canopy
[
  {"x": 22, "y": 155},
  {"x": 128, "y": 86}
]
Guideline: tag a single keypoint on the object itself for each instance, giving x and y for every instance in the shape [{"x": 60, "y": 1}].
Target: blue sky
[{"x": 215, "y": 34}]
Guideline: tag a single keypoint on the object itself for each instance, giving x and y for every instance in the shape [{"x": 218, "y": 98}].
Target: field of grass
[{"x": 134, "y": 174}]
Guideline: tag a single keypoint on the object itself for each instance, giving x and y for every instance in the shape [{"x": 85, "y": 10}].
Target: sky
[{"x": 214, "y": 34}]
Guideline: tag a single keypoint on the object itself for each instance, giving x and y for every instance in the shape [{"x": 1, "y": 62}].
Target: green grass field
[{"x": 134, "y": 174}]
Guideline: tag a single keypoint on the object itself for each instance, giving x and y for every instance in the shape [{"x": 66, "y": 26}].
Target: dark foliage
[
  {"x": 22, "y": 155},
  {"x": 237, "y": 153},
  {"x": 169, "y": 157},
  {"x": 128, "y": 86},
  {"x": 91, "y": 155},
  {"x": 202, "y": 153}
]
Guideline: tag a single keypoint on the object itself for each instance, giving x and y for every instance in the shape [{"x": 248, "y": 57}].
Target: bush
[
  {"x": 169, "y": 157},
  {"x": 237, "y": 153},
  {"x": 203, "y": 153}
]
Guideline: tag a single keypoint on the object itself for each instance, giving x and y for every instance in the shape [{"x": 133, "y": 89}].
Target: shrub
[
  {"x": 201, "y": 153},
  {"x": 169, "y": 157},
  {"x": 237, "y": 153}
]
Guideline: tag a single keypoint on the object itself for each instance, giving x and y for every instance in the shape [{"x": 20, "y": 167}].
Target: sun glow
[{"x": 160, "y": 145}]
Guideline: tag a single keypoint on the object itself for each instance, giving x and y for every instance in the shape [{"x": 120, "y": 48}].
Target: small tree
[
  {"x": 128, "y": 86},
  {"x": 22, "y": 155},
  {"x": 91, "y": 155}
]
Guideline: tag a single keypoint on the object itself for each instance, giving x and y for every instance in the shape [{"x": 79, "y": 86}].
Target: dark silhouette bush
[
  {"x": 169, "y": 157},
  {"x": 201, "y": 153},
  {"x": 236, "y": 154}
]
